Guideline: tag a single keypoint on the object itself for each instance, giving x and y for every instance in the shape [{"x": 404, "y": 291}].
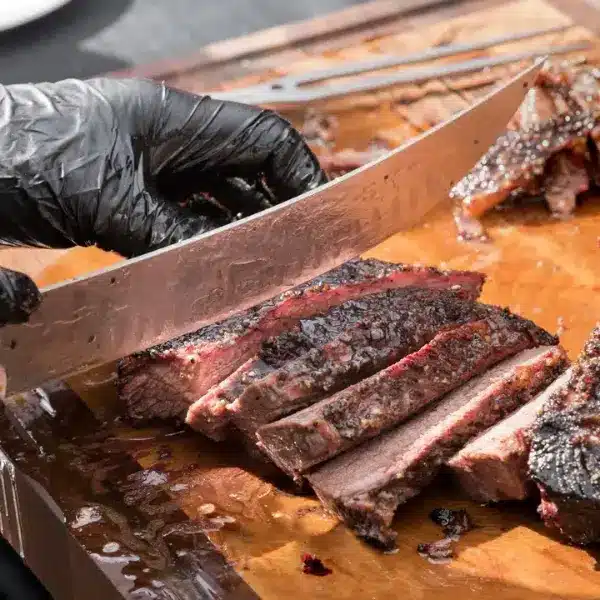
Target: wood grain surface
[{"x": 543, "y": 268}]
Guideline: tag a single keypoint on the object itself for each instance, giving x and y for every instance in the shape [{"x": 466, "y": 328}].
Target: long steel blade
[{"x": 93, "y": 320}]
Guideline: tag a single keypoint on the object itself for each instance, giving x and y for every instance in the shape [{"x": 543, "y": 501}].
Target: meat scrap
[
  {"x": 339, "y": 163},
  {"x": 549, "y": 149},
  {"x": 311, "y": 565},
  {"x": 438, "y": 553},
  {"x": 493, "y": 467},
  {"x": 360, "y": 412},
  {"x": 318, "y": 128},
  {"x": 453, "y": 523},
  {"x": 319, "y": 131},
  {"x": 365, "y": 486},
  {"x": 164, "y": 381},
  {"x": 565, "y": 451}
]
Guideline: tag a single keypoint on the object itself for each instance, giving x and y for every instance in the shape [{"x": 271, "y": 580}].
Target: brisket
[
  {"x": 565, "y": 177},
  {"x": 550, "y": 149},
  {"x": 366, "y": 485},
  {"x": 493, "y": 467},
  {"x": 374, "y": 332},
  {"x": 565, "y": 451},
  {"x": 348, "y": 418},
  {"x": 164, "y": 381},
  {"x": 209, "y": 414}
]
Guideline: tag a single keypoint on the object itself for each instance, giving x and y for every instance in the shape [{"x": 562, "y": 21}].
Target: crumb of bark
[
  {"x": 437, "y": 552},
  {"x": 453, "y": 522},
  {"x": 311, "y": 565}
]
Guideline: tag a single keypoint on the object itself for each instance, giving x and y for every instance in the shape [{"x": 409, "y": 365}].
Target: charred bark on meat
[
  {"x": 548, "y": 150},
  {"x": 565, "y": 451}
]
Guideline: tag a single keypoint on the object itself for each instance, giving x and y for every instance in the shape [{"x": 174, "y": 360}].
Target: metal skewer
[{"x": 292, "y": 90}]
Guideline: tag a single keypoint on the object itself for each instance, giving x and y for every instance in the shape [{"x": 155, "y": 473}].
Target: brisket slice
[
  {"x": 348, "y": 418},
  {"x": 366, "y": 485},
  {"x": 384, "y": 330},
  {"x": 164, "y": 381},
  {"x": 565, "y": 451},
  {"x": 209, "y": 414},
  {"x": 327, "y": 353},
  {"x": 493, "y": 467}
]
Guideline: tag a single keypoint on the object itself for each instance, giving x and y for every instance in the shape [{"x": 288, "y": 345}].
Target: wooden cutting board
[{"x": 159, "y": 491}]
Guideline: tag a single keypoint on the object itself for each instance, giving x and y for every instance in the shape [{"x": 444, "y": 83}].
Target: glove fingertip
[
  {"x": 294, "y": 167},
  {"x": 19, "y": 297}
]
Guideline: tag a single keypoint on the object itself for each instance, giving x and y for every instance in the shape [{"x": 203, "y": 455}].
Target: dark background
[{"x": 89, "y": 37}]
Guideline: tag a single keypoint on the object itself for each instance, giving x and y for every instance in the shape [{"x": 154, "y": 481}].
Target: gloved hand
[{"x": 110, "y": 162}]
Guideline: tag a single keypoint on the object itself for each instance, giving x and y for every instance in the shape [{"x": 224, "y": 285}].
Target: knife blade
[{"x": 136, "y": 304}]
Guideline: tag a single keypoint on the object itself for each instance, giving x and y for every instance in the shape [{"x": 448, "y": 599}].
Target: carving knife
[{"x": 136, "y": 304}]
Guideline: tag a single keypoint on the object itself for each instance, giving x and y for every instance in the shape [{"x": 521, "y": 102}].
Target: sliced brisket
[
  {"x": 209, "y": 415},
  {"x": 493, "y": 467},
  {"x": 165, "y": 380},
  {"x": 366, "y": 485},
  {"x": 362, "y": 411},
  {"x": 373, "y": 333},
  {"x": 549, "y": 150},
  {"x": 565, "y": 451},
  {"x": 327, "y": 353}
]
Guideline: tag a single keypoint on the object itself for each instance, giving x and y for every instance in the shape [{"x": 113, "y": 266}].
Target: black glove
[
  {"x": 17, "y": 582},
  {"x": 114, "y": 163}
]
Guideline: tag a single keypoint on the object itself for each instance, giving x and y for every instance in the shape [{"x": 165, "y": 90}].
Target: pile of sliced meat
[
  {"x": 549, "y": 150},
  {"x": 367, "y": 382},
  {"x": 171, "y": 380}
]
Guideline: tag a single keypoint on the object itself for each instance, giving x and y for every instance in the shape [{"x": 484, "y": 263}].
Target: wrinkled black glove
[
  {"x": 110, "y": 162},
  {"x": 17, "y": 582}
]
